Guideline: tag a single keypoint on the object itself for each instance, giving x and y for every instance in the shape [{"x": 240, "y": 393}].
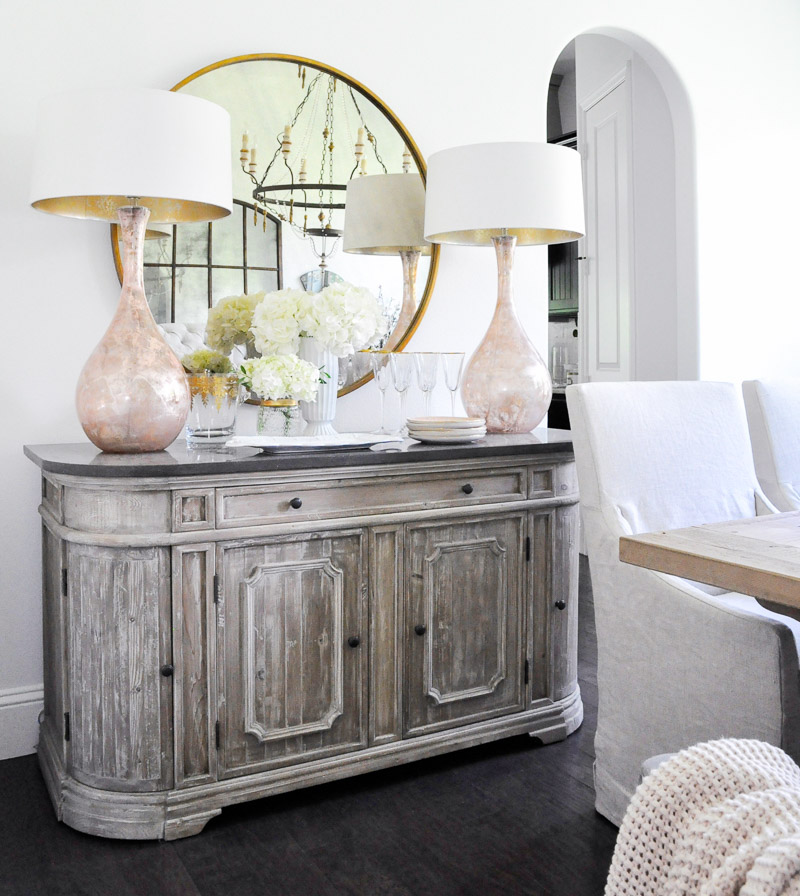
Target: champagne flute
[
  {"x": 427, "y": 364},
  {"x": 382, "y": 374},
  {"x": 402, "y": 369},
  {"x": 452, "y": 362}
]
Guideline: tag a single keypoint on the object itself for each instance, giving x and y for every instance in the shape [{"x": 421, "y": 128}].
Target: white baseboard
[{"x": 19, "y": 721}]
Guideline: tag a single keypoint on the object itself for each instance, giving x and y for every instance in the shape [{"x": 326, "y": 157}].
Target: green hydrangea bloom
[{"x": 206, "y": 359}]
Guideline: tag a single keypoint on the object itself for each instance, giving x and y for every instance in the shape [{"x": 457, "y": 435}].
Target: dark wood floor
[{"x": 512, "y": 817}]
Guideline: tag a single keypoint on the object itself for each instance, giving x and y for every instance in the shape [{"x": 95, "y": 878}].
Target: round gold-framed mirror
[{"x": 287, "y": 237}]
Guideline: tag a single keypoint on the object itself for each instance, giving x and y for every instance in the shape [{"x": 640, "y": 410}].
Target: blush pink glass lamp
[
  {"x": 504, "y": 194},
  {"x": 126, "y": 155},
  {"x": 383, "y": 216}
]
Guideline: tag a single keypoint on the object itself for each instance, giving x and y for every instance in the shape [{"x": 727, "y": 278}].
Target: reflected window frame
[{"x": 172, "y": 266}]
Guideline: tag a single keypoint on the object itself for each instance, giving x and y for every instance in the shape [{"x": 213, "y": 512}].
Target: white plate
[
  {"x": 441, "y": 430},
  {"x": 453, "y": 434},
  {"x": 452, "y": 439},
  {"x": 447, "y": 423}
]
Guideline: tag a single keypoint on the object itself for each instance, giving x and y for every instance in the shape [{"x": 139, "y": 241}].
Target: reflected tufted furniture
[{"x": 183, "y": 338}]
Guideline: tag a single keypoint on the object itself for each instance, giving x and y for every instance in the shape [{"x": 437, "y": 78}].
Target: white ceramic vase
[{"x": 319, "y": 415}]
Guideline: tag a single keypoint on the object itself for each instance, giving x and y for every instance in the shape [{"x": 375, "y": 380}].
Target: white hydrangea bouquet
[
  {"x": 342, "y": 318},
  {"x": 281, "y": 377},
  {"x": 281, "y": 381}
]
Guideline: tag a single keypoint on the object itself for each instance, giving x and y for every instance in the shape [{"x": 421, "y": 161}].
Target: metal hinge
[
  {"x": 64, "y": 580},
  {"x": 216, "y": 589},
  {"x": 66, "y": 726},
  {"x": 528, "y": 549},
  {"x": 527, "y": 671},
  {"x": 216, "y": 734}
]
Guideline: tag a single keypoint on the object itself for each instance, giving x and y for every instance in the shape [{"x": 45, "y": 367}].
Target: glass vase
[
  {"x": 279, "y": 418},
  {"x": 212, "y": 416}
]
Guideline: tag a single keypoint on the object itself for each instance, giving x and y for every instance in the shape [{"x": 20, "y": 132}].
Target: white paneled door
[{"x": 607, "y": 275}]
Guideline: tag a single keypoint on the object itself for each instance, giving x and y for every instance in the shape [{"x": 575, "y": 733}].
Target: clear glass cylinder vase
[
  {"x": 279, "y": 418},
  {"x": 215, "y": 401}
]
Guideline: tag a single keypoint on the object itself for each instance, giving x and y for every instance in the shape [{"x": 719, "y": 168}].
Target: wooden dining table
[{"x": 759, "y": 556}]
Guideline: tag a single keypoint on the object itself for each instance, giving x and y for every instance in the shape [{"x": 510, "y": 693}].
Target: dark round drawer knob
[
  {"x": 354, "y": 641},
  {"x": 420, "y": 629},
  {"x": 467, "y": 489},
  {"x": 560, "y": 604},
  {"x": 296, "y": 503},
  {"x": 167, "y": 670}
]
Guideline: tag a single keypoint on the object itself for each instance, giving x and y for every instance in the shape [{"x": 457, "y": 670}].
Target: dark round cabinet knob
[
  {"x": 354, "y": 641},
  {"x": 560, "y": 604},
  {"x": 167, "y": 670},
  {"x": 467, "y": 489},
  {"x": 296, "y": 503},
  {"x": 420, "y": 629}
]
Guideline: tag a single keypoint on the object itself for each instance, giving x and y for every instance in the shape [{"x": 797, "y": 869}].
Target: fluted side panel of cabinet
[
  {"x": 193, "y": 648},
  {"x": 53, "y": 640},
  {"x": 387, "y": 633},
  {"x": 553, "y": 611},
  {"x": 119, "y": 637},
  {"x": 563, "y": 634}
]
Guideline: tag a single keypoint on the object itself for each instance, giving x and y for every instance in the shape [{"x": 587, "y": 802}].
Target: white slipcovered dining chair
[
  {"x": 678, "y": 662},
  {"x": 773, "y": 415}
]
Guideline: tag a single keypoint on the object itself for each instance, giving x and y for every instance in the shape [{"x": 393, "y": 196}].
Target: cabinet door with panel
[
  {"x": 464, "y": 621},
  {"x": 292, "y": 669},
  {"x": 118, "y": 655}
]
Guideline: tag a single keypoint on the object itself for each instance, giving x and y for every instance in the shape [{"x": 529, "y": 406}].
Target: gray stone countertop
[{"x": 84, "y": 459}]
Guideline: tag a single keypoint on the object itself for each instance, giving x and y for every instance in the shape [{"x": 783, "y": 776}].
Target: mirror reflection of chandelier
[{"x": 328, "y": 136}]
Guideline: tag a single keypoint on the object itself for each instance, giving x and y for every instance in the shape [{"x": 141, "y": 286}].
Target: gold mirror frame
[{"x": 396, "y": 124}]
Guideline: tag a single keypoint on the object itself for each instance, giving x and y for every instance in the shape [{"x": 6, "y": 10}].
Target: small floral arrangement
[
  {"x": 206, "y": 360},
  {"x": 276, "y": 377},
  {"x": 341, "y": 318},
  {"x": 229, "y": 321}
]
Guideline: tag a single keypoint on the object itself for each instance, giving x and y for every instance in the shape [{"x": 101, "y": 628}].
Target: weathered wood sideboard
[{"x": 223, "y": 626}]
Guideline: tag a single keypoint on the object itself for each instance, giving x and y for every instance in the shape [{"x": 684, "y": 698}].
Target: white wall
[{"x": 454, "y": 72}]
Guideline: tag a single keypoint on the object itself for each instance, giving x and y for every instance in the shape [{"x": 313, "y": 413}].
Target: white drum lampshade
[
  {"x": 502, "y": 194},
  {"x": 124, "y": 154},
  {"x": 384, "y": 214}
]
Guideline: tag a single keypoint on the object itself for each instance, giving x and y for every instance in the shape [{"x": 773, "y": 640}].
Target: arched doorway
[{"x": 627, "y": 112}]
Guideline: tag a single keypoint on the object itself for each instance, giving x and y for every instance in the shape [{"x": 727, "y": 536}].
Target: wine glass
[
  {"x": 402, "y": 369},
  {"x": 427, "y": 364},
  {"x": 452, "y": 362},
  {"x": 382, "y": 373}
]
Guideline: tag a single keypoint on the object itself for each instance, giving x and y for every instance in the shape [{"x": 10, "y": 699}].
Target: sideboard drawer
[{"x": 251, "y": 505}]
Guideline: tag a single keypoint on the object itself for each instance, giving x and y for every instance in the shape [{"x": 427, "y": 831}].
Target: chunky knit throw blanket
[{"x": 718, "y": 819}]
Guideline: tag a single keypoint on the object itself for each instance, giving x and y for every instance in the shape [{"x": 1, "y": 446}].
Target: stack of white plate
[{"x": 446, "y": 429}]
